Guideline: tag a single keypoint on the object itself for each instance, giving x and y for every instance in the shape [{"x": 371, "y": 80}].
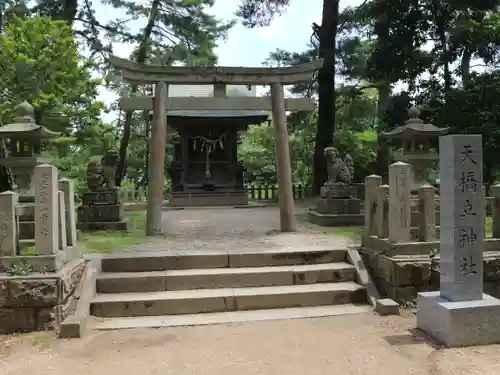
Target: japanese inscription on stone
[
  {"x": 462, "y": 217},
  {"x": 46, "y": 210}
]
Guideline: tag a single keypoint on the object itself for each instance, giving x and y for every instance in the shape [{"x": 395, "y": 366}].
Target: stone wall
[
  {"x": 38, "y": 302},
  {"x": 39, "y": 274}
]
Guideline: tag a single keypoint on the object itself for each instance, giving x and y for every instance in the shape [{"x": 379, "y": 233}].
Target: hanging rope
[{"x": 208, "y": 145}]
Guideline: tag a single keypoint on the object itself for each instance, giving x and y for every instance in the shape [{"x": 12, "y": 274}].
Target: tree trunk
[
  {"x": 326, "y": 91},
  {"x": 142, "y": 54}
]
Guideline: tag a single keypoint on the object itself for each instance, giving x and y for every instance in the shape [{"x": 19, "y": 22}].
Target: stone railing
[
  {"x": 402, "y": 223},
  {"x": 46, "y": 226}
]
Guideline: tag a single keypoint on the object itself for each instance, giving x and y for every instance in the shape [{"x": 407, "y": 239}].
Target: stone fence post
[
  {"x": 400, "y": 178},
  {"x": 382, "y": 212},
  {"x": 372, "y": 183},
  {"x": 495, "y": 209},
  {"x": 427, "y": 214},
  {"x": 9, "y": 239},
  {"x": 46, "y": 210},
  {"x": 66, "y": 186},
  {"x": 61, "y": 216}
]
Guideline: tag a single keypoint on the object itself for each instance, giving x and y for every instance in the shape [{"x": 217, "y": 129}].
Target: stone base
[
  {"x": 459, "y": 323},
  {"x": 100, "y": 213},
  {"x": 338, "y": 206},
  {"x": 335, "y": 220},
  {"x": 103, "y": 226},
  {"x": 42, "y": 263},
  {"x": 39, "y": 301},
  {"x": 228, "y": 197}
]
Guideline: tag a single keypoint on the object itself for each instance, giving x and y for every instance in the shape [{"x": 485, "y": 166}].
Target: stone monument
[
  {"x": 101, "y": 207},
  {"x": 460, "y": 314},
  {"x": 338, "y": 204}
]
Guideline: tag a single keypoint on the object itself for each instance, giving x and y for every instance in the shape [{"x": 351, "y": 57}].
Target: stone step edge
[
  {"x": 347, "y": 286},
  {"x": 334, "y": 266},
  {"x": 108, "y": 324},
  {"x": 204, "y": 253}
]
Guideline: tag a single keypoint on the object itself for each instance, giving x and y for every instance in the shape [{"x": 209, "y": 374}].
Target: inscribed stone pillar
[
  {"x": 288, "y": 222},
  {"x": 372, "y": 184},
  {"x": 46, "y": 210},
  {"x": 382, "y": 214},
  {"x": 63, "y": 244},
  {"x": 157, "y": 161},
  {"x": 495, "y": 210},
  {"x": 462, "y": 217},
  {"x": 66, "y": 186},
  {"x": 400, "y": 178},
  {"x": 427, "y": 214},
  {"x": 8, "y": 226}
]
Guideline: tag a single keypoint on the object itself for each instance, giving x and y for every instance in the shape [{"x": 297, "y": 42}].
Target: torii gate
[{"x": 219, "y": 77}]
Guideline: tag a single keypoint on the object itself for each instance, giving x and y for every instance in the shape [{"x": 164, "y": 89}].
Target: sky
[{"x": 245, "y": 47}]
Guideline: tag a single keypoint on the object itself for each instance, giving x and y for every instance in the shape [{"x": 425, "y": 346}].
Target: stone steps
[
  {"x": 194, "y": 259},
  {"x": 225, "y": 299},
  {"x": 106, "y": 324},
  {"x": 151, "y": 288},
  {"x": 154, "y": 281}
]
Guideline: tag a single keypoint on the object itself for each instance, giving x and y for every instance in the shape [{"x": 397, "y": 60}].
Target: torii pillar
[
  {"x": 156, "y": 172},
  {"x": 288, "y": 222}
]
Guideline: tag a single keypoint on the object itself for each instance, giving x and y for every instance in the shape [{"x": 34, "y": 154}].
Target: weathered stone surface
[
  {"x": 34, "y": 293},
  {"x": 462, "y": 217},
  {"x": 19, "y": 319},
  {"x": 4, "y": 292},
  {"x": 103, "y": 213},
  {"x": 338, "y": 206},
  {"x": 107, "y": 197}
]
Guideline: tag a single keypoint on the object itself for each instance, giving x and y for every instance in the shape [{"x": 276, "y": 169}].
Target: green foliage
[{"x": 40, "y": 63}]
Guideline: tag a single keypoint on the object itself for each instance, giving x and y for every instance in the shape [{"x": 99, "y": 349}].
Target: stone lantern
[
  {"x": 415, "y": 136},
  {"x": 23, "y": 139}
]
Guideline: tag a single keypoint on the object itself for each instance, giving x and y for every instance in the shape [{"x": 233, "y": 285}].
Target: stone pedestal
[
  {"x": 101, "y": 210},
  {"x": 337, "y": 207}
]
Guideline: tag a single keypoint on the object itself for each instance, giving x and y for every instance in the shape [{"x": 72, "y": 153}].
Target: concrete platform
[{"x": 459, "y": 323}]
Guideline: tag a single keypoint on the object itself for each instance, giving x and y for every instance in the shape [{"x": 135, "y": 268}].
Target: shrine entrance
[{"x": 202, "y": 166}]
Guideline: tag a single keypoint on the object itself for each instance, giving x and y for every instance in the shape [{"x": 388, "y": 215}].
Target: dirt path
[
  {"x": 362, "y": 344},
  {"x": 224, "y": 228}
]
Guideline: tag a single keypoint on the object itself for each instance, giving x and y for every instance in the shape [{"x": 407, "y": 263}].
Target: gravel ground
[
  {"x": 361, "y": 344},
  {"x": 232, "y": 228}
]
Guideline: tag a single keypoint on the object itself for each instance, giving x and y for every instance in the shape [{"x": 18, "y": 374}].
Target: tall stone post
[
  {"x": 427, "y": 214},
  {"x": 372, "y": 184},
  {"x": 156, "y": 171},
  {"x": 66, "y": 186},
  {"x": 288, "y": 221},
  {"x": 61, "y": 214},
  {"x": 462, "y": 217},
  {"x": 8, "y": 226},
  {"x": 46, "y": 210},
  {"x": 399, "y": 202}
]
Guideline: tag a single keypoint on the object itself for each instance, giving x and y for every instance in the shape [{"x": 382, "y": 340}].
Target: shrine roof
[{"x": 207, "y": 91}]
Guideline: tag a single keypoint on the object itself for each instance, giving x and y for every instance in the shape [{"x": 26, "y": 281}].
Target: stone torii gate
[{"x": 219, "y": 77}]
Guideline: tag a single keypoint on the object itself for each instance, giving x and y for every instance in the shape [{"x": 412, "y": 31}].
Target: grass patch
[{"x": 109, "y": 242}]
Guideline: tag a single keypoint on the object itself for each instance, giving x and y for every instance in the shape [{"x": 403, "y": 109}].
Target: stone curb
[
  {"x": 363, "y": 276},
  {"x": 74, "y": 326}
]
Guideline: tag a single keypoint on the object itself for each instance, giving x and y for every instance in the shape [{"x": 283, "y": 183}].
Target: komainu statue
[
  {"x": 339, "y": 170},
  {"x": 101, "y": 173}
]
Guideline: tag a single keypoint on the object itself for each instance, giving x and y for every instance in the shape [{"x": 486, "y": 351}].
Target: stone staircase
[{"x": 205, "y": 287}]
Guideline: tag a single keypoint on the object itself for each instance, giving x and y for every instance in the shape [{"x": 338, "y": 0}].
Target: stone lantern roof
[
  {"x": 24, "y": 125},
  {"x": 415, "y": 128}
]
